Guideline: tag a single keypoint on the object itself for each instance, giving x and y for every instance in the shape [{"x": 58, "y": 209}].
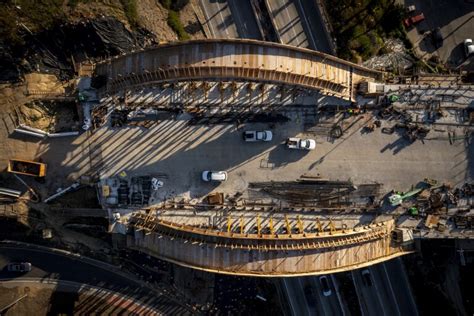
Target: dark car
[
  {"x": 366, "y": 277},
  {"x": 19, "y": 267},
  {"x": 310, "y": 294},
  {"x": 437, "y": 37},
  {"x": 325, "y": 285}
]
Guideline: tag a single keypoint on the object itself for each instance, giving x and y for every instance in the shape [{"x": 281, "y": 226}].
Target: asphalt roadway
[
  {"x": 245, "y": 19},
  {"x": 315, "y": 303},
  {"x": 287, "y": 22},
  {"x": 390, "y": 292},
  {"x": 388, "y": 295},
  {"x": 51, "y": 266},
  {"x": 219, "y": 19}
]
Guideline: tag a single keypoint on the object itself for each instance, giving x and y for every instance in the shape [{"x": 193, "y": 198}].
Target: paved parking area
[
  {"x": 455, "y": 18},
  {"x": 183, "y": 151}
]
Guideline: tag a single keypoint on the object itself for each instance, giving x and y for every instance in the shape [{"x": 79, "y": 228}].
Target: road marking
[
  {"x": 404, "y": 273},
  {"x": 316, "y": 282},
  {"x": 208, "y": 19},
  {"x": 222, "y": 19},
  {"x": 377, "y": 290},
  {"x": 391, "y": 289},
  {"x": 308, "y": 24},
  {"x": 289, "y": 297},
  {"x": 336, "y": 289},
  {"x": 361, "y": 302}
]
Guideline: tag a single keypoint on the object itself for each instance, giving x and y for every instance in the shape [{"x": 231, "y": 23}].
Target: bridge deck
[{"x": 232, "y": 59}]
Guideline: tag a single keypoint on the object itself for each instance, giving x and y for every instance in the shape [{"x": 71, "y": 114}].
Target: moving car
[
  {"x": 366, "y": 278},
  {"x": 214, "y": 176},
  {"x": 469, "y": 47},
  {"x": 413, "y": 20},
  {"x": 297, "y": 143},
  {"x": 325, "y": 285},
  {"x": 19, "y": 267},
  {"x": 253, "y": 136}
]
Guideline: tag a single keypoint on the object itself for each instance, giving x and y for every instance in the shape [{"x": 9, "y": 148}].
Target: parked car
[
  {"x": 366, "y": 277},
  {"x": 19, "y": 267},
  {"x": 253, "y": 136},
  {"x": 437, "y": 37},
  {"x": 310, "y": 294},
  {"x": 325, "y": 285},
  {"x": 413, "y": 20},
  {"x": 214, "y": 176},
  {"x": 469, "y": 47},
  {"x": 298, "y": 143}
]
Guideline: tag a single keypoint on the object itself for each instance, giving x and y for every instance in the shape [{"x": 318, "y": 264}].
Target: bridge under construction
[
  {"x": 304, "y": 232},
  {"x": 235, "y": 60}
]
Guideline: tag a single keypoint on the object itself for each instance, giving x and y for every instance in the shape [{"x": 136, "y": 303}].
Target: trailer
[{"x": 26, "y": 167}]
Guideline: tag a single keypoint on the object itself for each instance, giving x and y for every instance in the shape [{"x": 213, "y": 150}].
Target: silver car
[{"x": 19, "y": 267}]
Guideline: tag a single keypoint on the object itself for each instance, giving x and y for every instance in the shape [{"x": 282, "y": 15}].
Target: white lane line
[
  {"x": 321, "y": 298},
  {"x": 407, "y": 283},
  {"x": 288, "y": 294},
  {"x": 308, "y": 24},
  {"x": 222, "y": 18},
  {"x": 304, "y": 299},
  {"x": 237, "y": 15},
  {"x": 377, "y": 290},
  {"x": 359, "y": 294},
  {"x": 391, "y": 289},
  {"x": 208, "y": 19},
  {"x": 336, "y": 288}
]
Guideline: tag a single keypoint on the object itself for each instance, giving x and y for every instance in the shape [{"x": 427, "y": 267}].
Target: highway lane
[
  {"x": 219, "y": 19},
  {"x": 287, "y": 22},
  {"x": 314, "y": 303},
  {"x": 390, "y": 293},
  {"x": 368, "y": 296},
  {"x": 54, "y": 266},
  {"x": 244, "y": 19},
  {"x": 384, "y": 289},
  {"x": 329, "y": 304},
  {"x": 312, "y": 19},
  {"x": 401, "y": 286},
  {"x": 295, "y": 295}
]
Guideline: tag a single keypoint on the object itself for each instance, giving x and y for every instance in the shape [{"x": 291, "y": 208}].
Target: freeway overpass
[
  {"x": 234, "y": 60},
  {"x": 262, "y": 242}
]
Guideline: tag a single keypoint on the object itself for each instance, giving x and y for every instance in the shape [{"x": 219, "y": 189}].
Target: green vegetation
[
  {"x": 35, "y": 15},
  {"x": 176, "y": 25},
  {"x": 130, "y": 9},
  {"x": 74, "y": 3},
  {"x": 361, "y": 26},
  {"x": 173, "y": 7}
]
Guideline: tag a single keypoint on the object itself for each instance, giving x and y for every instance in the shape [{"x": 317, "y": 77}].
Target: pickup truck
[
  {"x": 253, "y": 136},
  {"x": 413, "y": 20},
  {"x": 298, "y": 143}
]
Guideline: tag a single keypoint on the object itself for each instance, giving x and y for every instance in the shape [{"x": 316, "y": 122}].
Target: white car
[
  {"x": 469, "y": 47},
  {"x": 253, "y": 136},
  {"x": 297, "y": 143},
  {"x": 214, "y": 176}
]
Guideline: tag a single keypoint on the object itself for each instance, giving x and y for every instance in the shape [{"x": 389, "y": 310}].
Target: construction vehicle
[
  {"x": 397, "y": 198},
  {"x": 26, "y": 167}
]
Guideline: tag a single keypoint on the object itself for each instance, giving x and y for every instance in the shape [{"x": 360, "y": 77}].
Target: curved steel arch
[{"x": 235, "y": 59}]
